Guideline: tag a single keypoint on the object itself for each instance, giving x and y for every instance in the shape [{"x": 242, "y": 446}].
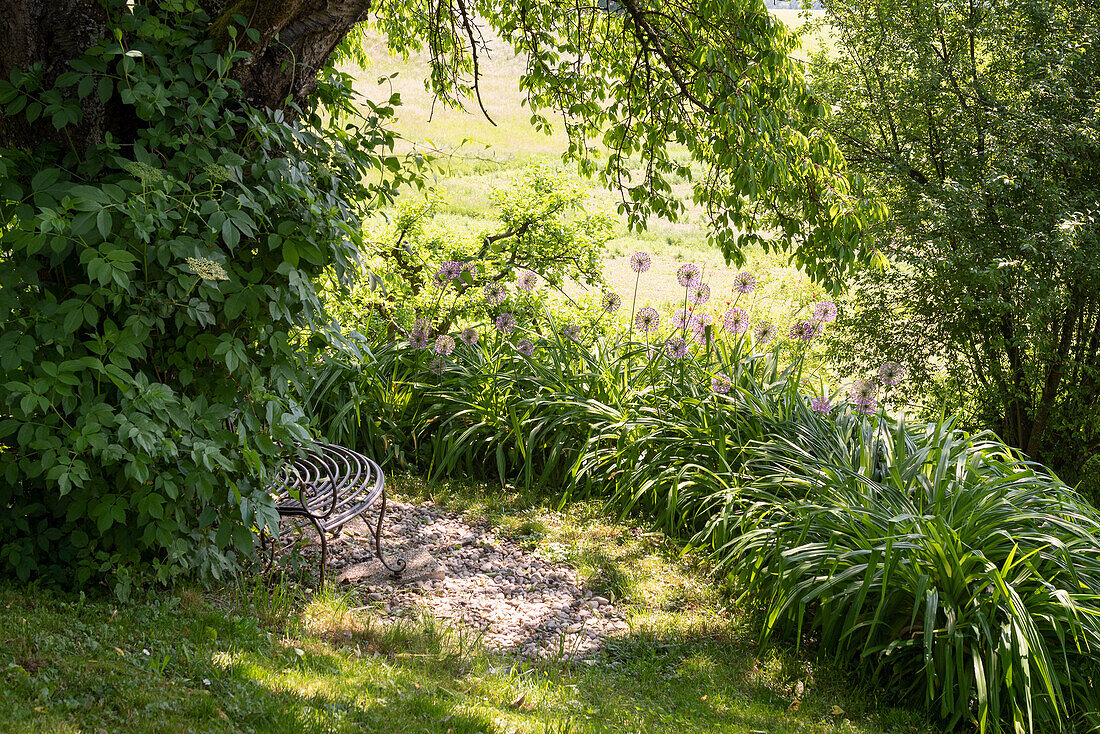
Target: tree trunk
[{"x": 296, "y": 38}]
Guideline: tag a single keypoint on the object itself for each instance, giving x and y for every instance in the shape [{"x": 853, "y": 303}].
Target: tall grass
[{"x": 940, "y": 564}]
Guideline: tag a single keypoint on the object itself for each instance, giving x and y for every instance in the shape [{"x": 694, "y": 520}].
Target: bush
[{"x": 149, "y": 293}]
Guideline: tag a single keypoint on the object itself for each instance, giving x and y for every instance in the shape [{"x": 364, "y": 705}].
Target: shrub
[{"x": 149, "y": 291}]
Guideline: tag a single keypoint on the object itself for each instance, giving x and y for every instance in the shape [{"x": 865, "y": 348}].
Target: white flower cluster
[{"x": 206, "y": 269}]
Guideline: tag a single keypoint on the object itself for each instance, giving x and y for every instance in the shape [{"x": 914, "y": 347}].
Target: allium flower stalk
[
  {"x": 736, "y": 321},
  {"x": 825, "y": 312},
  {"x": 765, "y": 332},
  {"x": 526, "y": 280},
  {"x": 891, "y": 374},
  {"x": 610, "y": 302},
  {"x": 444, "y": 344},
  {"x": 862, "y": 393},
  {"x": 505, "y": 323},
  {"x": 676, "y": 347},
  {"x": 721, "y": 383},
  {"x": 449, "y": 270},
  {"x": 803, "y": 330},
  {"x": 647, "y": 320},
  {"x": 689, "y": 275},
  {"x": 468, "y": 336},
  {"x": 495, "y": 294},
  {"x": 699, "y": 294},
  {"x": 744, "y": 282}
]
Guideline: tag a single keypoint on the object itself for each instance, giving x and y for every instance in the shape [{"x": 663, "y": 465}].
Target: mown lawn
[{"x": 258, "y": 658}]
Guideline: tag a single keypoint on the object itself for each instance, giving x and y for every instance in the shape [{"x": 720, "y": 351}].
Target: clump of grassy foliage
[{"x": 940, "y": 563}]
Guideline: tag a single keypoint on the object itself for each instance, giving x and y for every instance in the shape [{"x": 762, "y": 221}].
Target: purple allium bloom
[
  {"x": 640, "y": 262},
  {"x": 689, "y": 275},
  {"x": 676, "y": 347},
  {"x": 422, "y": 325},
  {"x": 699, "y": 332},
  {"x": 721, "y": 383},
  {"x": 571, "y": 331},
  {"x": 438, "y": 281},
  {"x": 701, "y": 318},
  {"x": 862, "y": 392},
  {"x": 744, "y": 282},
  {"x": 444, "y": 344},
  {"x": 891, "y": 374},
  {"x": 765, "y": 332},
  {"x": 468, "y": 336},
  {"x": 525, "y": 347},
  {"x": 868, "y": 408},
  {"x": 611, "y": 301},
  {"x": 803, "y": 330},
  {"x": 680, "y": 318},
  {"x": 495, "y": 294},
  {"x": 825, "y": 312},
  {"x": 736, "y": 321},
  {"x": 506, "y": 323},
  {"x": 647, "y": 320},
  {"x": 699, "y": 294},
  {"x": 449, "y": 270},
  {"x": 418, "y": 338},
  {"x": 437, "y": 365},
  {"x": 527, "y": 280},
  {"x": 821, "y": 405}
]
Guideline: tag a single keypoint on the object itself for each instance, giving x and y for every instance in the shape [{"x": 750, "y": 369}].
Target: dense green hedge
[{"x": 149, "y": 293}]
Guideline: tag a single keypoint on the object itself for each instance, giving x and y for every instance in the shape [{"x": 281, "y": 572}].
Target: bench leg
[
  {"x": 399, "y": 565},
  {"x": 324, "y": 551}
]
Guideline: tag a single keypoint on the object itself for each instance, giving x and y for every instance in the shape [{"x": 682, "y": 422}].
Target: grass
[{"x": 277, "y": 660}]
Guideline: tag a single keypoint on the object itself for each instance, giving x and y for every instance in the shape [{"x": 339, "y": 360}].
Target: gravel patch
[{"x": 466, "y": 575}]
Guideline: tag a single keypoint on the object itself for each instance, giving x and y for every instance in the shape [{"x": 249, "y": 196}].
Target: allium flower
[
  {"x": 449, "y": 270},
  {"x": 681, "y": 317},
  {"x": 647, "y": 320},
  {"x": 862, "y": 392},
  {"x": 821, "y": 405},
  {"x": 676, "y": 347},
  {"x": 736, "y": 321},
  {"x": 699, "y": 294},
  {"x": 869, "y": 407},
  {"x": 611, "y": 301},
  {"x": 571, "y": 331},
  {"x": 444, "y": 344},
  {"x": 699, "y": 333},
  {"x": 702, "y": 318},
  {"x": 525, "y": 347},
  {"x": 891, "y": 374},
  {"x": 765, "y": 332},
  {"x": 468, "y": 336},
  {"x": 437, "y": 364},
  {"x": 640, "y": 262},
  {"x": 689, "y": 275},
  {"x": 422, "y": 325},
  {"x": 803, "y": 330},
  {"x": 506, "y": 323},
  {"x": 825, "y": 312},
  {"x": 438, "y": 281},
  {"x": 418, "y": 338},
  {"x": 721, "y": 383},
  {"x": 495, "y": 294},
  {"x": 206, "y": 269},
  {"x": 744, "y": 282},
  {"x": 527, "y": 280}
]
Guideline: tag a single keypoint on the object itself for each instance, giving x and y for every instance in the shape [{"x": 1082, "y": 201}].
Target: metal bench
[{"x": 330, "y": 485}]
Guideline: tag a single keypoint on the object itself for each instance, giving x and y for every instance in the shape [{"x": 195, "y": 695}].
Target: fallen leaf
[
  {"x": 794, "y": 705},
  {"x": 519, "y": 701},
  {"x": 702, "y": 698},
  {"x": 120, "y": 652},
  {"x": 113, "y": 615},
  {"x": 836, "y": 711},
  {"x": 221, "y": 713}
]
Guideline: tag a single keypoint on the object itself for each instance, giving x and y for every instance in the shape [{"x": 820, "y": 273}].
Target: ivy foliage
[
  {"x": 662, "y": 99},
  {"x": 150, "y": 289}
]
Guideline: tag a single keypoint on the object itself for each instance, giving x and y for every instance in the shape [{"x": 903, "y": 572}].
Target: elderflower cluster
[{"x": 206, "y": 269}]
